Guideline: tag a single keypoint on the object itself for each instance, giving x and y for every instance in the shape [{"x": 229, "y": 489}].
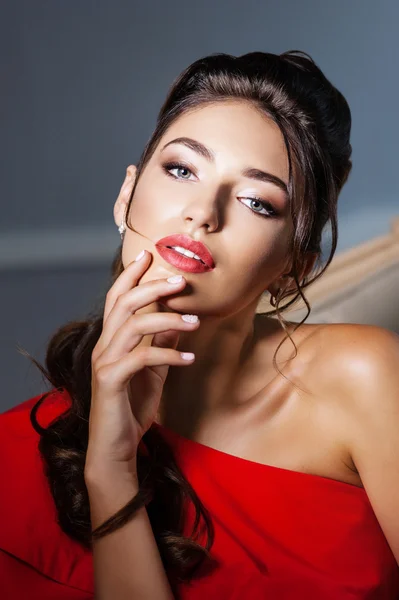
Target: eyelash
[{"x": 266, "y": 205}]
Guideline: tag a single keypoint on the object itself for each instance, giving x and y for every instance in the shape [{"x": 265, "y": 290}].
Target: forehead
[{"x": 234, "y": 129}]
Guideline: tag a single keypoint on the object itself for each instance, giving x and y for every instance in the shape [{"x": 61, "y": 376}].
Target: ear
[
  {"x": 124, "y": 194},
  {"x": 285, "y": 280}
]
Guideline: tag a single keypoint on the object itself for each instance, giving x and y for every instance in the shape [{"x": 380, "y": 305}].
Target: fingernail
[
  {"x": 190, "y": 318},
  {"x": 175, "y": 279},
  {"x": 187, "y": 355},
  {"x": 139, "y": 256}
]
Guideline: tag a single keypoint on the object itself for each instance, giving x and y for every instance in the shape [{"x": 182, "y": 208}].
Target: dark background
[{"x": 81, "y": 85}]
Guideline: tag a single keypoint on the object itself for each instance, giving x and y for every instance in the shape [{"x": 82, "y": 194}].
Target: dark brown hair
[{"x": 315, "y": 121}]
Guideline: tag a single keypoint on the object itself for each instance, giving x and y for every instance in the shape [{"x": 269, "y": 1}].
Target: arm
[
  {"x": 127, "y": 563},
  {"x": 373, "y": 405},
  {"x": 127, "y": 380}
]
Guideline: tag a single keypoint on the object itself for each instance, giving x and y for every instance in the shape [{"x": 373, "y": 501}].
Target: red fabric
[
  {"x": 18, "y": 580},
  {"x": 283, "y": 535},
  {"x": 279, "y": 534},
  {"x": 37, "y": 560}
]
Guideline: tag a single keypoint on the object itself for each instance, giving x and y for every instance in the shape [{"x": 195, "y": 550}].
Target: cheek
[
  {"x": 258, "y": 266},
  {"x": 264, "y": 256},
  {"x": 147, "y": 219},
  {"x": 153, "y": 210},
  {"x": 142, "y": 210}
]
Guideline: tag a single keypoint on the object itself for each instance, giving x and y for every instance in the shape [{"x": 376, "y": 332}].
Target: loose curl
[{"x": 315, "y": 121}]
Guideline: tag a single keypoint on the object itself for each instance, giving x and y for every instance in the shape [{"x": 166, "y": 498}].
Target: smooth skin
[
  {"x": 132, "y": 376},
  {"x": 342, "y": 419},
  {"x": 126, "y": 385}
]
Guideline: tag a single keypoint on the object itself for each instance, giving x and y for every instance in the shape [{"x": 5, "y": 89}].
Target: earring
[
  {"x": 273, "y": 298},
  {"x": 280, "y": 291},
  {"x": 122, "y": 227}
]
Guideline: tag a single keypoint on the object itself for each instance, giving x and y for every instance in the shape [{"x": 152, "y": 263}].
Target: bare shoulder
[
  {"x": 354, "y": 369},
  {"x": 366, "y": 361},
  {"x": 354, "y": 356},
  {"x": 356, "y": 349},
  {"x": 350, "y": 364},
  {"x": 360, "y": 363}
]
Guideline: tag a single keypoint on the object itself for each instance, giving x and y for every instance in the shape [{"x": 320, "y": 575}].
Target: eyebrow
[{"x": 250, "y": 172}]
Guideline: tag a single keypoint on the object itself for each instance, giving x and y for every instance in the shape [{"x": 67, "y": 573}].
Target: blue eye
[
  {"x": 169, "y": 166},
  {"x": 265, "y": 206},
  {"x": 262, "y": 204}
]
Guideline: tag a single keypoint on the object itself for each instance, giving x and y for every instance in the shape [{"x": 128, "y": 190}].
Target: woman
[{"x": 183, "y": 460}]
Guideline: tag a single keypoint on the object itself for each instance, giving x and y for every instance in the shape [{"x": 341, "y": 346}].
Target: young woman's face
[{"x": 245, "y": 222}]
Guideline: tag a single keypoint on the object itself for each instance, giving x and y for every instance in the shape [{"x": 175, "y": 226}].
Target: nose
[{"x": 206, "y": 211}]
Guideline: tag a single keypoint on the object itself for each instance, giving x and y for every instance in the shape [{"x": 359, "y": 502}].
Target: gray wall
[{"x": 81, "y": 86}]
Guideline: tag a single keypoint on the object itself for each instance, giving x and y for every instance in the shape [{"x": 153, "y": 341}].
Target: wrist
[
  {"x": 108, "y": 494},
  {"x": 113, "y": 474}
]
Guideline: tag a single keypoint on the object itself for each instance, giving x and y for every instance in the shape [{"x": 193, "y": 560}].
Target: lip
[
  {"x": 189, "y": 244},
  {"x": 181, "y": 262}
]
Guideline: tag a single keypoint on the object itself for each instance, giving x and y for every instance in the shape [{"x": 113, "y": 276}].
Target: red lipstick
[{"x": 202, "y": 264}]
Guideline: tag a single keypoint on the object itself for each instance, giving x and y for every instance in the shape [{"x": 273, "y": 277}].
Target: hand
[{"x": 127, "y": 381}]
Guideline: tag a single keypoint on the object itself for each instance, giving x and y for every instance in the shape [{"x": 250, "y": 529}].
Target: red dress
[{"x": 279, "y": 534}]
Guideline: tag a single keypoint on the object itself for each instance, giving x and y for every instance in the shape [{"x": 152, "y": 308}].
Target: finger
[
  {"x": 127, "y": 337},
  {"x": 166, "y": 339},
  {"x": 126, "y": 280},
  {"x": 115, "y": 377},
  {"x": 131, "y": 301}
]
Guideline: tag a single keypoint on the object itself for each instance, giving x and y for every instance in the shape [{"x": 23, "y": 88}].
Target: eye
[
  {"x": 262, "y": 205},
  {"x": 169, "y": 166},
  {"x": 266, "y": 207}
]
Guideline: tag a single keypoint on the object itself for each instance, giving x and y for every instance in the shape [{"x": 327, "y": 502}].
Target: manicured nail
[
  {"x": 139, "y": 256},
  {"x": 190, "y": 318},
  {"x": 175, "y": 279},
  {"x": 187, "y": 355}
]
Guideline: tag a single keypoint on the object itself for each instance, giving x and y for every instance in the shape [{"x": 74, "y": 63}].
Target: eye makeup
[{"x": 266, "y": 206}]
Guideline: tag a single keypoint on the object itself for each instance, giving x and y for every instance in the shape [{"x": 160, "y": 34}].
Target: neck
[{"x": 213, "y": 384}]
